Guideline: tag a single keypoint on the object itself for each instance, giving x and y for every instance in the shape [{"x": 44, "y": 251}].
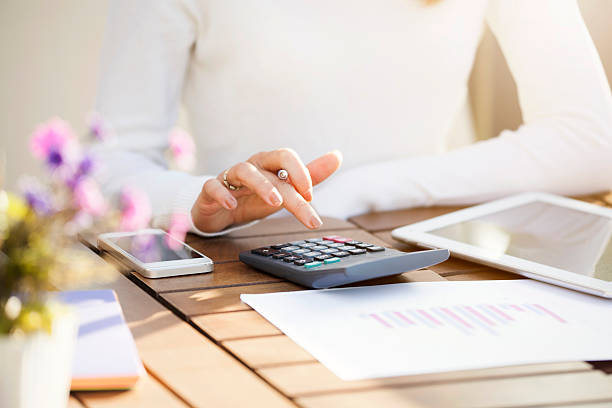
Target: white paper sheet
[{"x": 425, "y": 327}]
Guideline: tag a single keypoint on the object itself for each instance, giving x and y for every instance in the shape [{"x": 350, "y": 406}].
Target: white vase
[{"x": 36, "y": 370}]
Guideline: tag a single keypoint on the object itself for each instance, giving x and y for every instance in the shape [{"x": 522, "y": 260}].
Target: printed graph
[{"x": 468, "y": 319}]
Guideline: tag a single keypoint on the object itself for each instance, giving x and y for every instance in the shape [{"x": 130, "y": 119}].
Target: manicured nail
[
  {"x": 230, "y": 203},
  {"x": 276, "y": 198},
  {"x": 315, "y": 221}
]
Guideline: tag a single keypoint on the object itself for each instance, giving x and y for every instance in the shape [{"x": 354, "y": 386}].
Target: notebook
[{"x": 106, "y": 356}]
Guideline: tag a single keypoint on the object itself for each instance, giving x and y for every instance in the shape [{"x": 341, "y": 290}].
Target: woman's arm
[{"x": 564, "y": 146}]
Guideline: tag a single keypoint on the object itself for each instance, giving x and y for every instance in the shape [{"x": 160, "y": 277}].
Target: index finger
[{"x": 287, "y": 159}]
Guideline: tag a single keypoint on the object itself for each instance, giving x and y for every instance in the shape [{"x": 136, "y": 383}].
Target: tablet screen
[{"x": 542, "y": 232}]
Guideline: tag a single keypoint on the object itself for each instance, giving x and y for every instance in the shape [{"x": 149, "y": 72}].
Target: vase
[{"x": 36, "y": 369}]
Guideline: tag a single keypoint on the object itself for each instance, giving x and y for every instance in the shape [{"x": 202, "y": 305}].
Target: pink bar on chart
[
  {"x": 480, "y": 315},
  {"x": 458, "y": 318},
  {"x": 501, "y": 312},
  {"x": 430, "y": 317},
  {"x": 554, "y": 315},
  {"x": 404, "y": 318},
  {"x": 380, "y": 320},
  {"x": 520, "y": 309}
]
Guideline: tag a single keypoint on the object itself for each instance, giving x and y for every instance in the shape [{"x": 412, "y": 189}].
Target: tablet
[{"x": 541, "y": 236}]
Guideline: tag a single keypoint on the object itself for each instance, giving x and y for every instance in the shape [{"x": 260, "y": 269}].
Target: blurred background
[{"x": 49, "y": 66}]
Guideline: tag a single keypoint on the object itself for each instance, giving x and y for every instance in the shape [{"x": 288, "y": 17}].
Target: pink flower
[
  {"x": 50, "y": 140},
  {"x": 179, "y": 225},
  {"x": 135, "y": 209},
  {"x": 182, "y": 149},
  {"x": 97, "y": 126},
  {"x": 88, "y": 198}
]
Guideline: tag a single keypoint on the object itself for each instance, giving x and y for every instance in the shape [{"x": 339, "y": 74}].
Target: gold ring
[{"x": 227, "y": 183}]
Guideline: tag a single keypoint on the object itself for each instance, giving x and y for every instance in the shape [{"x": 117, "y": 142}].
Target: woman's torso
[{"x": 379, "y": 80}]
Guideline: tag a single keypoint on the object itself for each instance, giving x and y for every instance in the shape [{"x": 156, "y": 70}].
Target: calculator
[{"x": 334, "y": 260}]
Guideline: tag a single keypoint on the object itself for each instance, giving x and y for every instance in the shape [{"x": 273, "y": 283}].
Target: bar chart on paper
[
  {"x": 467, "y": 319},
  {"x": 429, "y": 327}
]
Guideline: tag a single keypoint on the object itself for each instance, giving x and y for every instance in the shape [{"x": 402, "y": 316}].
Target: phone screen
[{"x": 148, "y": 248}]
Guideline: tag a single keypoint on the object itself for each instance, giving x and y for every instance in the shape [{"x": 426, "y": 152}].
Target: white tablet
[{"x": 542, "y": 236}]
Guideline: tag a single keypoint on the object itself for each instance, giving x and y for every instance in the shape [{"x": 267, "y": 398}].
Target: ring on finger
[
  {"x": 227, "y": 184},
  {"x": 282, "y": 174}
]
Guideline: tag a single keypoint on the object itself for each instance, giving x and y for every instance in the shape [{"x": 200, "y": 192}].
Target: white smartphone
[{"x": 154, "y": 253}]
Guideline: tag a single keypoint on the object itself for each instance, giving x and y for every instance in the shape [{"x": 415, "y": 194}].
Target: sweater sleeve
[
  {"x": 143, "y": 66},
  {"x": 563, "y": 147}
]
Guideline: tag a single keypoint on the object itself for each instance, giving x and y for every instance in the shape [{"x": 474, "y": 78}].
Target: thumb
[{"x": 324, "y": 166}]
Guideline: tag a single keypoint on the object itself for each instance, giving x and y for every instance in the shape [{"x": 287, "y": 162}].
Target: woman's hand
[{"x": 261, "y": 192}]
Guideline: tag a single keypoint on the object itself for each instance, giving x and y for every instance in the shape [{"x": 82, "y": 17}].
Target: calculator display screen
[
  {"x": 149, "y": 248},
  {"x": 541, "y": 232}
]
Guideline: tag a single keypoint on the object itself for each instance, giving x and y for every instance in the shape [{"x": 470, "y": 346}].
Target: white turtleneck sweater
[{"x": 383, "y": 81}]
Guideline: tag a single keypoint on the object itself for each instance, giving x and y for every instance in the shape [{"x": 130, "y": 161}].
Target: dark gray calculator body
[{"x": 333, "y": 261}]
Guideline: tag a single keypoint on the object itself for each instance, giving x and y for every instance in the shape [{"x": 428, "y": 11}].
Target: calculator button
[
  {"x": 329, "y": 250},
  {"x": 326, "y": 242},
  {"x": 341, "y": 254},
  {"x": 264, "y": 251},
  {"x": 291, "y": 258},
  {"x": 280, "y": 246},
  {"x": 300, "y": 262},
  {"x": 312, "y": 264},
  {"x": 308, "y": 245},
  {"x": 344, "y": 248},
  {"x": 300, "y": 251},
  {"x": 314, "y": 240},
  {"x": 335, "y": 245},
  {"x": 330, "y": 237},
  {"x": 297, "y": 242},
  {"x": 331, "y": 260},
  {"x": 353, "y": 242},
  {"x": 290, "y": 248},
  {"x": 312, "y": 254},
  {"x": 357, "y": 251},
  {"x": 322, "y": 257},
  {"x": 375, "y": 249},
  {"x": 341, "y": 240},
  {"x": 280, "y": 255},
  {"x": 363, "y": 245},
  {"x": 318, "y": 247}
]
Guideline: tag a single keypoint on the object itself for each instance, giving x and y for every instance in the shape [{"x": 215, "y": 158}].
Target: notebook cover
[{"x": 105, "y": 356}]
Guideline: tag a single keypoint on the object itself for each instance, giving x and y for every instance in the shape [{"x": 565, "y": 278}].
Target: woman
[{"x": 383, "y": 81}]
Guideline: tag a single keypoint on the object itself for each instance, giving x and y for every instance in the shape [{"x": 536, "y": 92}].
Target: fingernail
[
  {"x": 231, "y": 202},
  {"x": 315, "y": 221},
  {"x": 276, "y": 198},
  {"x": 309, "y": 195}
]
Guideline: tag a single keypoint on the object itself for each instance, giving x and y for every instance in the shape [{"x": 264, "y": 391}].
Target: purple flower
[
  {"x": 50, "y": 140},
  {"x": 135, "y": 209},
  {"x": 98, "y": 128},
  {"x": 182, "y": 149},
  {"x": 37, "y": 196}
]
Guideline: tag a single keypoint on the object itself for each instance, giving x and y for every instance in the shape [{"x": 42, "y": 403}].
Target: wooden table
[{"x": 202, "y": 347}]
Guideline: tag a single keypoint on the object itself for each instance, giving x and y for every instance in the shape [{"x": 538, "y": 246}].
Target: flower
[
  {"x": 179, "y": 225},
  {"x": 182, "y": 149},
  {"x": 37, "y": 196},
  {"x": 97, "y": 126},
  {"x": 87, "y": 197},
  {"x": 50, "y": 141},
  {"x": 83, "y": 169},
  {"x": 135, "y": 209}
]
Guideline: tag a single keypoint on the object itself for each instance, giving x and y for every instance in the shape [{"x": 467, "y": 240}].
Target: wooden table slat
[
  {"x": 289, "y": 225},
  {"x": 200, "y": 302},
  {"x": 314, "y": 378},
  {"x": 235, "y": 325},
  {"x": 530, "y": 391},
  {"x": 225, "y": 274},
  {"x": 268, "y": 351},
  {"x": 148, "y": 392}
]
